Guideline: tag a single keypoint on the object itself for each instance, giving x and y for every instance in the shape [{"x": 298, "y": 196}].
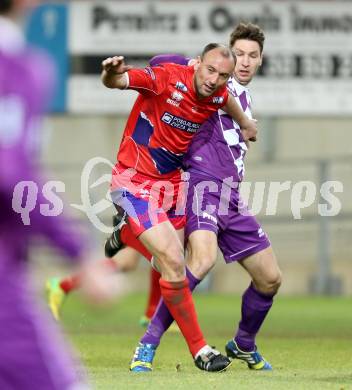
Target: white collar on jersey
[
  {"x": 11, "y": 36},
  {"x": 235, "y": 87}
]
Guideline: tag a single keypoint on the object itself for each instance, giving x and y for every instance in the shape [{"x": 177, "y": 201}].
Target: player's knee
[
  {"x": 201, "y": 265},
  {"x": 172, "y": 260},
  {"x": 272, "y": 283},
  {"x": 275, "y": 284},
  {"x": 177, "y": 265}
]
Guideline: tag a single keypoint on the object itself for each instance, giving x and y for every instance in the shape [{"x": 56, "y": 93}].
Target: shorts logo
[
  {"x": 210, "y": 217},
  {"x": 179, "y": 85},
  {"x": 180, "y": 123},
  {"x": 261, "y": 232},
  {"x": 218, "y": 99}
]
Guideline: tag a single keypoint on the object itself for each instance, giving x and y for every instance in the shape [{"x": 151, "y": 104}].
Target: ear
[
  {"x": 261, "y": 60},
  {"x": 197, "y": 62},
  {"x": 192, "y": 62}
]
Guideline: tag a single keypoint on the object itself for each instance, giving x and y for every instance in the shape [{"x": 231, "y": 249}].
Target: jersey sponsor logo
[
  {"x": 210, "y": 217},
  {"x": 167, "y": 118},
  {"x": 180, "y": 123},
  {"x": 179, "y": 85},
  {"x": 218, "y": 99},
  {"x": 150, "y": 71}
]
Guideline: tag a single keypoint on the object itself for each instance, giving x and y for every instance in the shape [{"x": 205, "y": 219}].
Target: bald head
[{"x": 222, "y": 50}]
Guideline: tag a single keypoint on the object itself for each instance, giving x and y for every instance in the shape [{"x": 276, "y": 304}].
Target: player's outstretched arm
[
  {"x": 248, "y": 126},
  {"x": 114, "y": 72}
]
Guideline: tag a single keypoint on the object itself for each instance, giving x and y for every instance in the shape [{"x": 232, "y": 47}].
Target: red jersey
[{"x": 164, "y": 118}]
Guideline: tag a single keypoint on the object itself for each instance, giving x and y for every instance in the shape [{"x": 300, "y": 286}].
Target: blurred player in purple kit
[
  {"x": 32, "y": 354},
  {"x": 216, "y": 215}
]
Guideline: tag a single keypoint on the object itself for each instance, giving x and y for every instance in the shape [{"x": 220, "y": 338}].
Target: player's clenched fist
[
  {"x": 116, "y": 65},
  {"x": 114, "y": 72}
]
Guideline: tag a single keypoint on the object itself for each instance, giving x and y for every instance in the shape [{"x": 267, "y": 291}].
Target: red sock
[
  {"x": 178, "y": 299},
  {"x": 129, "y": 239},
  {"x": 73, "y": 282},
  {"x": 70, "y": 283},
  {"x": 154, "y": 293}
]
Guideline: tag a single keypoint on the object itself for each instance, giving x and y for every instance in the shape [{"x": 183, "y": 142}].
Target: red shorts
[{"x": 148, "y": 201}]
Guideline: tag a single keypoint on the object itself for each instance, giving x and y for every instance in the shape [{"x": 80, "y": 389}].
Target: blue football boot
[
  {"x": 142, "y": 360},
  {"x": 254, "y": 359}
]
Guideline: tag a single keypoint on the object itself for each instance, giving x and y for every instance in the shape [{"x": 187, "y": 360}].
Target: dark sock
[
  {"x": 154, "y": 293},
  {"x": 255, "y": 307}
]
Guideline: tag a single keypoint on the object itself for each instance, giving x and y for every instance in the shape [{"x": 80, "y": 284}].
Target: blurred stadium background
[{"x": 302, "y": 99}]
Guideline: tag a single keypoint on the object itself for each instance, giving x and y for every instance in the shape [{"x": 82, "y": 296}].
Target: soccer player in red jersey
[{"x": 173, "y": 102}]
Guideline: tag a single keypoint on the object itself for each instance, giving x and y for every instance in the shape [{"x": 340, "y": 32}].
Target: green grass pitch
[{"x": 307, "y": 340}]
